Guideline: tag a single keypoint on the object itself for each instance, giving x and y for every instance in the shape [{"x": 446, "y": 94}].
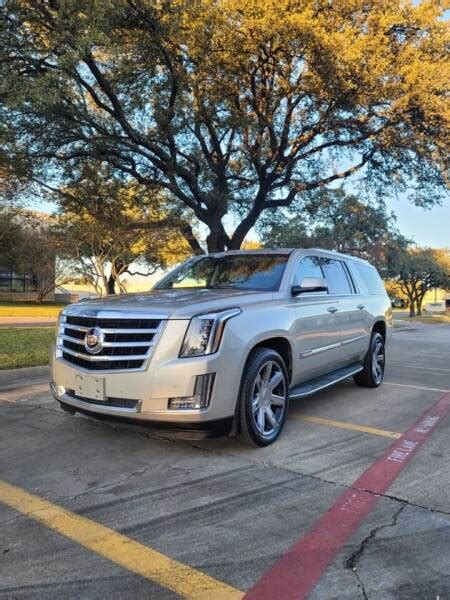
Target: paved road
[{"x": 227, "y": 511}]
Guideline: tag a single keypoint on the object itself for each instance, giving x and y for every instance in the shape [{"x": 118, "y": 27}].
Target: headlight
[
  {"x": 60, "y": 326},
  {"x": 205, "y": 332}
]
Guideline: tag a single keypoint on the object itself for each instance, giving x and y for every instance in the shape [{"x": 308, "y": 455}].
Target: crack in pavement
[
  {"x": 352, "y": 561},
  {"x": 111, "y": 484},
  {"x": 343, "y": 486}
]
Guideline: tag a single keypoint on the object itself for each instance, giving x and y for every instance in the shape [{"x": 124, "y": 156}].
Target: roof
[
  {"x": 256, "y": 251},
  {"x": 287, "y": 251},
  {"x": 334, "y": 253}
]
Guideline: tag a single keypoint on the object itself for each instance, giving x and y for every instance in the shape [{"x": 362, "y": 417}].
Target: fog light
[{"x": 200, "y": 399}]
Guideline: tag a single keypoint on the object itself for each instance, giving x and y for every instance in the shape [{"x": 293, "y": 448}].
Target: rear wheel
[
  {"x": 264, "y": 397},
  {"x": 373, "y": 372}
]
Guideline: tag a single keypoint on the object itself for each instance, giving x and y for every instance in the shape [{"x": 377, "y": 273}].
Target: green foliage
[
  {"x": 341, "y": 222},
  {"x": 108, "y": 229},
  {"x": 419, "y": 270},
  {"x": 25, "y": 347},
  {"x": 231, "y": 107},
  {"x": 29, "y": 246}
]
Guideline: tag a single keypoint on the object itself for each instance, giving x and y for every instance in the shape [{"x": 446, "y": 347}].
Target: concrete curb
[{"x": 11, "y": 378}]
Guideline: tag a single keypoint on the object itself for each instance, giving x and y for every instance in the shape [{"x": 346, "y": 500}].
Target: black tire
[
  {"x": 374, "y": 362},
  {"x": 258, "y": 396}
]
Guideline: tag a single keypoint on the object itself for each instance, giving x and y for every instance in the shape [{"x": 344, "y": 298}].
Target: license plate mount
[{"x": 90, "y": 387}]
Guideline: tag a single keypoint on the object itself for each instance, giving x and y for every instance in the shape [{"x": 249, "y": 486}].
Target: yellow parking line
[
  {"x": 345, "y": 425},
  {"x": 124, "y": 551}
]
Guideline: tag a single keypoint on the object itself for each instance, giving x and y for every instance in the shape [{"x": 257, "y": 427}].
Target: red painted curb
[{"x": 296, "y": 573}]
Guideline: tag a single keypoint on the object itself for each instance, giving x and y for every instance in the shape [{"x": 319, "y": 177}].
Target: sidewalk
[
  {"x": 16, "y": 378},
  {"x": 27, "y": 321}
]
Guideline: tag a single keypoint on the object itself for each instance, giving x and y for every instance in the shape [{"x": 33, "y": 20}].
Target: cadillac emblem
[{"x": 93, "y": 340}]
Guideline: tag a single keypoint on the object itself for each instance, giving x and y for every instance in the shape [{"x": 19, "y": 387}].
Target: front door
[{"x": 315, "y": 326}]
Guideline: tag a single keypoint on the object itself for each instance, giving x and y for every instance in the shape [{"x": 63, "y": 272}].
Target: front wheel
[
  {"x": 374, "y": 363},
  {"x": 264, "y": 397}
]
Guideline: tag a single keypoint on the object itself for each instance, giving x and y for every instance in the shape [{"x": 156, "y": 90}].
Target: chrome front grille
[{"x": 127, "y": 341}]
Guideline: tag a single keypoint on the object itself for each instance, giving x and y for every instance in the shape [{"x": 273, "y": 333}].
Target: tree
[
  {"x": 338, "y": 221},
  {"x": 29, "y": 246},
  {"x": 9, "y": 225},
  {"x": 231, "y": 107},
  {"x": 420, "y": 270},
  {"x": 107, "y": 229},
  {"x": 37, "y": 257}
]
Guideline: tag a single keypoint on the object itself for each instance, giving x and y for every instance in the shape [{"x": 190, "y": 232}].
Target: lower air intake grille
[{"x": 110, "y": 402}]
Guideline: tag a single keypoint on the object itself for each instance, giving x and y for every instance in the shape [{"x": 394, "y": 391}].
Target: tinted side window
[
  {"x": 308, "y": 267},
  {"x": 336, "y": 277},
  {"x": 370, "y": 276}
]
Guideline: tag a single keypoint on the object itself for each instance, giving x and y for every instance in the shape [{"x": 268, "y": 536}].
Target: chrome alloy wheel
[
  {"x": 378, "y": 360},
  {"x": 269, "y": 398}
]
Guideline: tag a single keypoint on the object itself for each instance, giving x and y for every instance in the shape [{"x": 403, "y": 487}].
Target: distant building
[
  {"x": 437, "y": 300},
  {"x": 16, "y": 287}
]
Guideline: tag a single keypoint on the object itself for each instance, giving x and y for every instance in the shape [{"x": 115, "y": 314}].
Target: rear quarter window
[{"x": 371, "y": 279}]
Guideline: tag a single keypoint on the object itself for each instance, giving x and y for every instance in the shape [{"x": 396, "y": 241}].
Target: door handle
[
  {"x": 332, "y": 309},
  {"x": 361, "y": 306}
]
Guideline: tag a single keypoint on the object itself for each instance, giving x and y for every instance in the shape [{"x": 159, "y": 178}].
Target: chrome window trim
[
  {"x": 350, "y": 278},
  {"x": 324, "y": 295}
]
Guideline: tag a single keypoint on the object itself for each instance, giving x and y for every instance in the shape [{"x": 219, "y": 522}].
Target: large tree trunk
[
  {"x": 215, "y": 241},
  {"x": 111, "y": 285},
  {"x": 419, "y": 302},
  {"x": 412, "y": 308}
]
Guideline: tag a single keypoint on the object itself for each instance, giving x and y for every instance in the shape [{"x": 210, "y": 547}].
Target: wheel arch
[
  {"x": 380, "y": 327},
  {"x": 280, "y": 344}
]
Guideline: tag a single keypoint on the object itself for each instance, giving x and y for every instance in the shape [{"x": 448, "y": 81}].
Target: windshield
[{"x": 238, "y": 271}]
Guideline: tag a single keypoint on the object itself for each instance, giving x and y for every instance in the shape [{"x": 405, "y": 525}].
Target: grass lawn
[
  {"x": 25, "y": 346},
  {"x": 30, "y": 309},
  {"x": 443, "y": 318}
]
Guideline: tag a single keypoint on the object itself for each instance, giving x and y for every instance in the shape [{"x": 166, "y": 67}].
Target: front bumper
[
  {"x": 185, "y": 429},
  {"x": 143, "y": 397}
]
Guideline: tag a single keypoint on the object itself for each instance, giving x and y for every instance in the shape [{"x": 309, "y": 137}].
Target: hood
[{"x": 174, "y": 304}]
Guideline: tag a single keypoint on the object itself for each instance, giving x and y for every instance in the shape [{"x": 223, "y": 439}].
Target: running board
[{"x": 319, "y": 383}]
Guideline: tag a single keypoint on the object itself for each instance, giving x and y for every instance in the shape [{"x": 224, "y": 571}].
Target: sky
[{"x": 426, "y": 227}]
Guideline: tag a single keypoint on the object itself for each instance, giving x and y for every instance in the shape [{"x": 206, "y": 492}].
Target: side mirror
[{"x": 310, "y": 284}]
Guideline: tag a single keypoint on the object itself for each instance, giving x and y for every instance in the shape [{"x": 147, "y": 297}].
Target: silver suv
[{"x": 224, "y": 342}]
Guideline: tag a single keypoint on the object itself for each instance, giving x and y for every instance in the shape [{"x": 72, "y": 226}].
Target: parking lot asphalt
[{"x": 89, "y": 509}]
